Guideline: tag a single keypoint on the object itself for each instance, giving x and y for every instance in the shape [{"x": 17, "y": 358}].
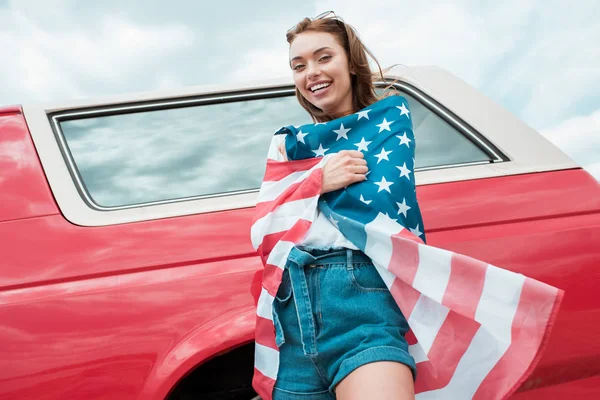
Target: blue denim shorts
[{"x": 333, "y": 313}]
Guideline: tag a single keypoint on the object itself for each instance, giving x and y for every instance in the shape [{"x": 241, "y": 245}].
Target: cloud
[
  {"x": 539, "y": 59},
  {"x": 579, "y": 137},
  {"x": 49, "y": 62},
  {"x": 262, "y": 63}
]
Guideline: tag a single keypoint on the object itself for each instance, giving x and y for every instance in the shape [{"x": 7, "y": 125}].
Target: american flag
[{"x": 477, "y": 330}]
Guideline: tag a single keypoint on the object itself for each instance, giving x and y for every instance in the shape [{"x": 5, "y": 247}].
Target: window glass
[
  {"x": 438, "y": 142},
  {"x": 178, "y": 153}
]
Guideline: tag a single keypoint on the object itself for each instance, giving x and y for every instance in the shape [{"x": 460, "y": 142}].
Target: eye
[
  {"x": 297, "y": 67},
  {"x": 324, "y": 58}
]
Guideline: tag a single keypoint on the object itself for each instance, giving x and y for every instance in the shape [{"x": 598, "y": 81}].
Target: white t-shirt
[{"x": 322, "y": 234}]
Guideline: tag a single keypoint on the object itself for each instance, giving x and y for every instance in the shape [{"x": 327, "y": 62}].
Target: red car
[{"x": 126, "y": 266}]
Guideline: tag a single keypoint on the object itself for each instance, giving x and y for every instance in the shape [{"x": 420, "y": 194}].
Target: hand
[
  {"x": 281, "y": 149},
  {"x": 343, "y": 169}
]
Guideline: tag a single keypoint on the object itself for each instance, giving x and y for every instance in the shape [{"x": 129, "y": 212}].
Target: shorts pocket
[{"x": 365, "y": 278}]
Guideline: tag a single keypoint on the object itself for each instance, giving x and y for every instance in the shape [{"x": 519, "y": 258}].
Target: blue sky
[{"x": 539, "y": 59}]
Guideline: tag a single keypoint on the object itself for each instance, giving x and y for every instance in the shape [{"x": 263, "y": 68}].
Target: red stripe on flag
[
  {"x": 289, "y": 194},
  {"x": 410, "y": 337},
  {"x": 464, "y": 272},
  {"x": 405, "y": 295},
  {"x": 263, "y": 385},
  {"x": 310, "y": 187},
  {"x": 265, "y": 332},
  {"x": 405, "y": 256},
  {"x": 272, "y": 276},
  {"x": 277, "y": 170},
  {"x": 449, "y": 346},
  {"x": 536, "y": 312},
  {"x": 295, "y": 234}
]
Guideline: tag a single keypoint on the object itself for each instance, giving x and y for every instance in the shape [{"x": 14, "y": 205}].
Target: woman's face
[{"x": 321, "y": 72}]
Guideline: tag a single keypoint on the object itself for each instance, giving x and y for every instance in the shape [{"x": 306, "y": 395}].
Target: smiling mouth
[{"x": 320, "y": 87}]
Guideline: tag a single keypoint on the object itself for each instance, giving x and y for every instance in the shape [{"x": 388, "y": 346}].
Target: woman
[
  {"x": 334, "y": 329},
  {"x": 331, "y": 85}
]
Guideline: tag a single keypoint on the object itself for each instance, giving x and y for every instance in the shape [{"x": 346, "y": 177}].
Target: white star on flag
[
  {"x": 403, "y": 171},
  {"x": 300, "y": 136},
  {"x": 341, "y": 133},
  {"x": 403, "y": 110},
  {"x": 416, "y": 231},
  {"x": 385, "y": 125},
  {"x": 335, "y": 222},
  {"x": 403, "y": 208},
  {"x": 320, "y": 151},
  {"x": 363, "y": 114},
  {"x": 365, "y": 201},
  {"x": 362, "y": 145},
  {"x": 404, "y": 140},
  {"x": 383, "y": 155},
  {"x": 384, "y": 185},
  {"x": 367, "y": 174},
  {"x": 321, "y": 123}
]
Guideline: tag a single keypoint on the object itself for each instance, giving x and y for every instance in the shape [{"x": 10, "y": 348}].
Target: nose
[{"x": 312, "y": 70}]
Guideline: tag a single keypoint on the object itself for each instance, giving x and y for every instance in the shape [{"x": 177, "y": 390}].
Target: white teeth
[{"x": 319, "y": 86}]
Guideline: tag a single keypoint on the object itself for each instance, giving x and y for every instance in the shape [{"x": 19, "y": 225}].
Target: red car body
[{"x": 163, "y": 307}]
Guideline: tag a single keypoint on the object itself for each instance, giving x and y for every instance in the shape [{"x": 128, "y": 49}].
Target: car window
[
  {"x": 203, "y": 150},
  {"x": 177, "y": 153},
  {"x": 439, "y": 143}
]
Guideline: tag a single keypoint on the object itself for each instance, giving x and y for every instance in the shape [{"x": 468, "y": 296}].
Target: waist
[{"x": 331, "y": 256}]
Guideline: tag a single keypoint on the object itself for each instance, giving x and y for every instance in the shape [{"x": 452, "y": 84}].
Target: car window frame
[{"x": 97, "y": 112}]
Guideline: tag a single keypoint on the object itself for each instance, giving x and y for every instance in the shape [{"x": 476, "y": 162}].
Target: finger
[
  {"x": 356, "y": 153},
  {"x": 359, "y": 161},
  {"x": 360, "y": 169},
  {"x": 352, "y": 153},
  {"x": 357, "y": 178}
]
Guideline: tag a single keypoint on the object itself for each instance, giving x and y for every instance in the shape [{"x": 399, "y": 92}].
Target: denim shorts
[{"x": 333, "y": 313}]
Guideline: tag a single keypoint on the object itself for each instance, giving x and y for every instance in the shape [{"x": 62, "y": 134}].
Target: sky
[{"x": 539, "y": 59}]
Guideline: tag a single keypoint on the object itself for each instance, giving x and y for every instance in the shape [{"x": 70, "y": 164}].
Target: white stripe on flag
[
  {"x": 499, "y": 300},
  {"x": 379, "y": 242},
  {"x": 416, "y": 351},
  {"x": 274, "y": 153},
  {"x": 269, "y": 191},
  {"x": 473, "y": 367},
  {"x": 496, "y": 310},
  {"x": 266, "y": 360},
  {"x": 281, "y": 219},
  {"x": 386, "y": 275},
  {"x": 426, "y": 321},
  {"x": 279, "y": 254},
  {"x": 433, "y": 273},
  {"x": 264, "y": 308}
]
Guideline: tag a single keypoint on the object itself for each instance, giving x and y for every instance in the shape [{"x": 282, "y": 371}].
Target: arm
[{"x": 342, "y": 169}]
